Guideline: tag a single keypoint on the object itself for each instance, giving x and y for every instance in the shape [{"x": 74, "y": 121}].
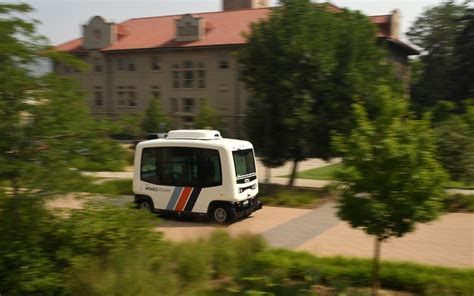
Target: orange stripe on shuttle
[{"x": 183, "y": 198}]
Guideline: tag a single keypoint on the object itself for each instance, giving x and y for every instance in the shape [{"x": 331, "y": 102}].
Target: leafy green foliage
[
  {"x": 41, "y": 251},
  {"x": 456, "y": 145},
  {"x": 459, "y": 203},
  {"x": 443, "y": 33},
  {"x": 391, "y": 175},
  {"x": 282, "y": 265},
  {"x": 190, "y": 268},
  {"x": 271, "y": 194},
  {"x": 155, "y": 121},
  {"x": 463, "y": 64},
  {"x": 208, "y": 118},
  {"x": 127, "y": 127},
  {"x": 46, "y": 133},
  {"x": 305, "y": 66}
]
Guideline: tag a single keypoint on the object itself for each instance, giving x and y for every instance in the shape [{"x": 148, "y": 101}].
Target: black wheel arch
[
  {"x": 140, "y": 198},
  {"x": 219, "y": 203}
]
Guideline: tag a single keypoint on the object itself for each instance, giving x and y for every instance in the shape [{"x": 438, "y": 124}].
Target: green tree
[
  {"x": 208, "y": 118},
  {"x": 46, "y": 131},
  {"x": 128, "y": 127},
  {"x": 305, "y": 66},
  {"x": 437, "y": 31},
  {"x": 46, "y": 135},
  {"x": 456, "y": 144},
  {"x": 462, "y": 84},
  {"x": 155, "y": 121},
  {"x": 391, "y": 177}
]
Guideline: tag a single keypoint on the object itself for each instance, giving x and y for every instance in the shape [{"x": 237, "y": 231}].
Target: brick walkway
[
  {"x": 445, "y": 242},
  {"x": 302, "y": 228}
]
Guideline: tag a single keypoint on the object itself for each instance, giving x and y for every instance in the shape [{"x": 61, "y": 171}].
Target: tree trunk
[
  {"x": 376, "y": 266},
  {"x": 15, "y": 189},
  {"x": 268, "y": 175},
  {"x": 293, "y": 173}
]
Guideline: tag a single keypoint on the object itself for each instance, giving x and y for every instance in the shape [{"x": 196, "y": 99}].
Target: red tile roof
[{"x": 222, "y": 28}]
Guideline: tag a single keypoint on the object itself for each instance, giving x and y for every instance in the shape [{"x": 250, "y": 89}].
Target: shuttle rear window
[
  {"x": 181, "y": 166},
  {"x": 244, "y": 162}
]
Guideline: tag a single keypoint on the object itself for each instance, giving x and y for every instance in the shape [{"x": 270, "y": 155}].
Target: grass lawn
[
  {"x": 322, "y": 173},
  {"x": 328, "y": 173},
  {"x": 113, "y": 187},
  {"x": 279, "y": 195},
  {"x": 460, "y": 185}
]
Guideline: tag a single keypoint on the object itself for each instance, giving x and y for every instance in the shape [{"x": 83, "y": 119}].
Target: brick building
[{"x": 183, "y": 59}]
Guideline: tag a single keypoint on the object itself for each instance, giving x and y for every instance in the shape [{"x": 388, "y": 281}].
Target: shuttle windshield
[{"x": 244, "y": 162}]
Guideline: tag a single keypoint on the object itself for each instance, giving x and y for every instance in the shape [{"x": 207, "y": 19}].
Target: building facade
[{"x": 183, "y": 60}]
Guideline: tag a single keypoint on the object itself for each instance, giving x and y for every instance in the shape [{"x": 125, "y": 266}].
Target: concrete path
[{"x": 302, "y": 228}]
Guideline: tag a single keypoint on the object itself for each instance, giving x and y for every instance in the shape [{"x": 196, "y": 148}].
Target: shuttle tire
[
  {"x": 220, "y": 213},
  {"x": 145, "y": 203}
]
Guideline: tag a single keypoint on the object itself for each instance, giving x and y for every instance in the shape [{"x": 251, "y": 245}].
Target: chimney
[{"x": 395, "y": 24}]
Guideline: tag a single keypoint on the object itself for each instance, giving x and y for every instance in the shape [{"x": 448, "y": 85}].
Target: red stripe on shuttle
[{"x": 183, "y": 198}]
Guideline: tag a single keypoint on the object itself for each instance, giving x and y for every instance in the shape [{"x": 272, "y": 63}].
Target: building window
[
  {"x": 131, "y": 99},
  {"x": 131, "y": 66},
  {"x": 176, "y": 82},
  {"x": 120, "y": 63},
  {"x": 98, "y": 97},
  {"x": 126, "y": 96},
  {"x": 201, "y": 76},
  {"x": 188, "y": 105},
  {"x": 155, "y": 63},
  {"x": 155, "y": 91},
  {"x": 223, "y": 61},
  {"x": 190, "y": 75},
  {"x": 97, "y": 65},
  {"x": 174, "y": 105},
  {"x": 188, "y": 122}
]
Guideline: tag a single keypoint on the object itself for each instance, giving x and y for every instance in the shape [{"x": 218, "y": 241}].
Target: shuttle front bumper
[{"x": 245, "y": 208}]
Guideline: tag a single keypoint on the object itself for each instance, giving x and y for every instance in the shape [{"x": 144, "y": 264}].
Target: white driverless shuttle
[{"x": 196, "y": 172}]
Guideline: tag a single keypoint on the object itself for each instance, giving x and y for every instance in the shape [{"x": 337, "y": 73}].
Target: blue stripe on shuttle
[
  {"x": 174, "y": 198},
  {"x": 192, "y": 199}
]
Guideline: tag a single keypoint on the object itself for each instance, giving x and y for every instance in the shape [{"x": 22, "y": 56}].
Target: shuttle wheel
[
  {"x": 220, "y": 214},
  {"x": 145, "y": 205}
]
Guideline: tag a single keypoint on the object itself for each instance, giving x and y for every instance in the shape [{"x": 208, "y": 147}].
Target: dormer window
[
  {"x": 98, "y": 33},
  {"x": 190, "y": 28}
]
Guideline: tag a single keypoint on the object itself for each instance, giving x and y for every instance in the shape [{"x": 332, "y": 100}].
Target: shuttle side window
[{"x": 181, "y": 166}]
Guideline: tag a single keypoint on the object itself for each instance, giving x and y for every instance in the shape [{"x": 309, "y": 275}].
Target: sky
[{"x": 61, "y": 20}]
